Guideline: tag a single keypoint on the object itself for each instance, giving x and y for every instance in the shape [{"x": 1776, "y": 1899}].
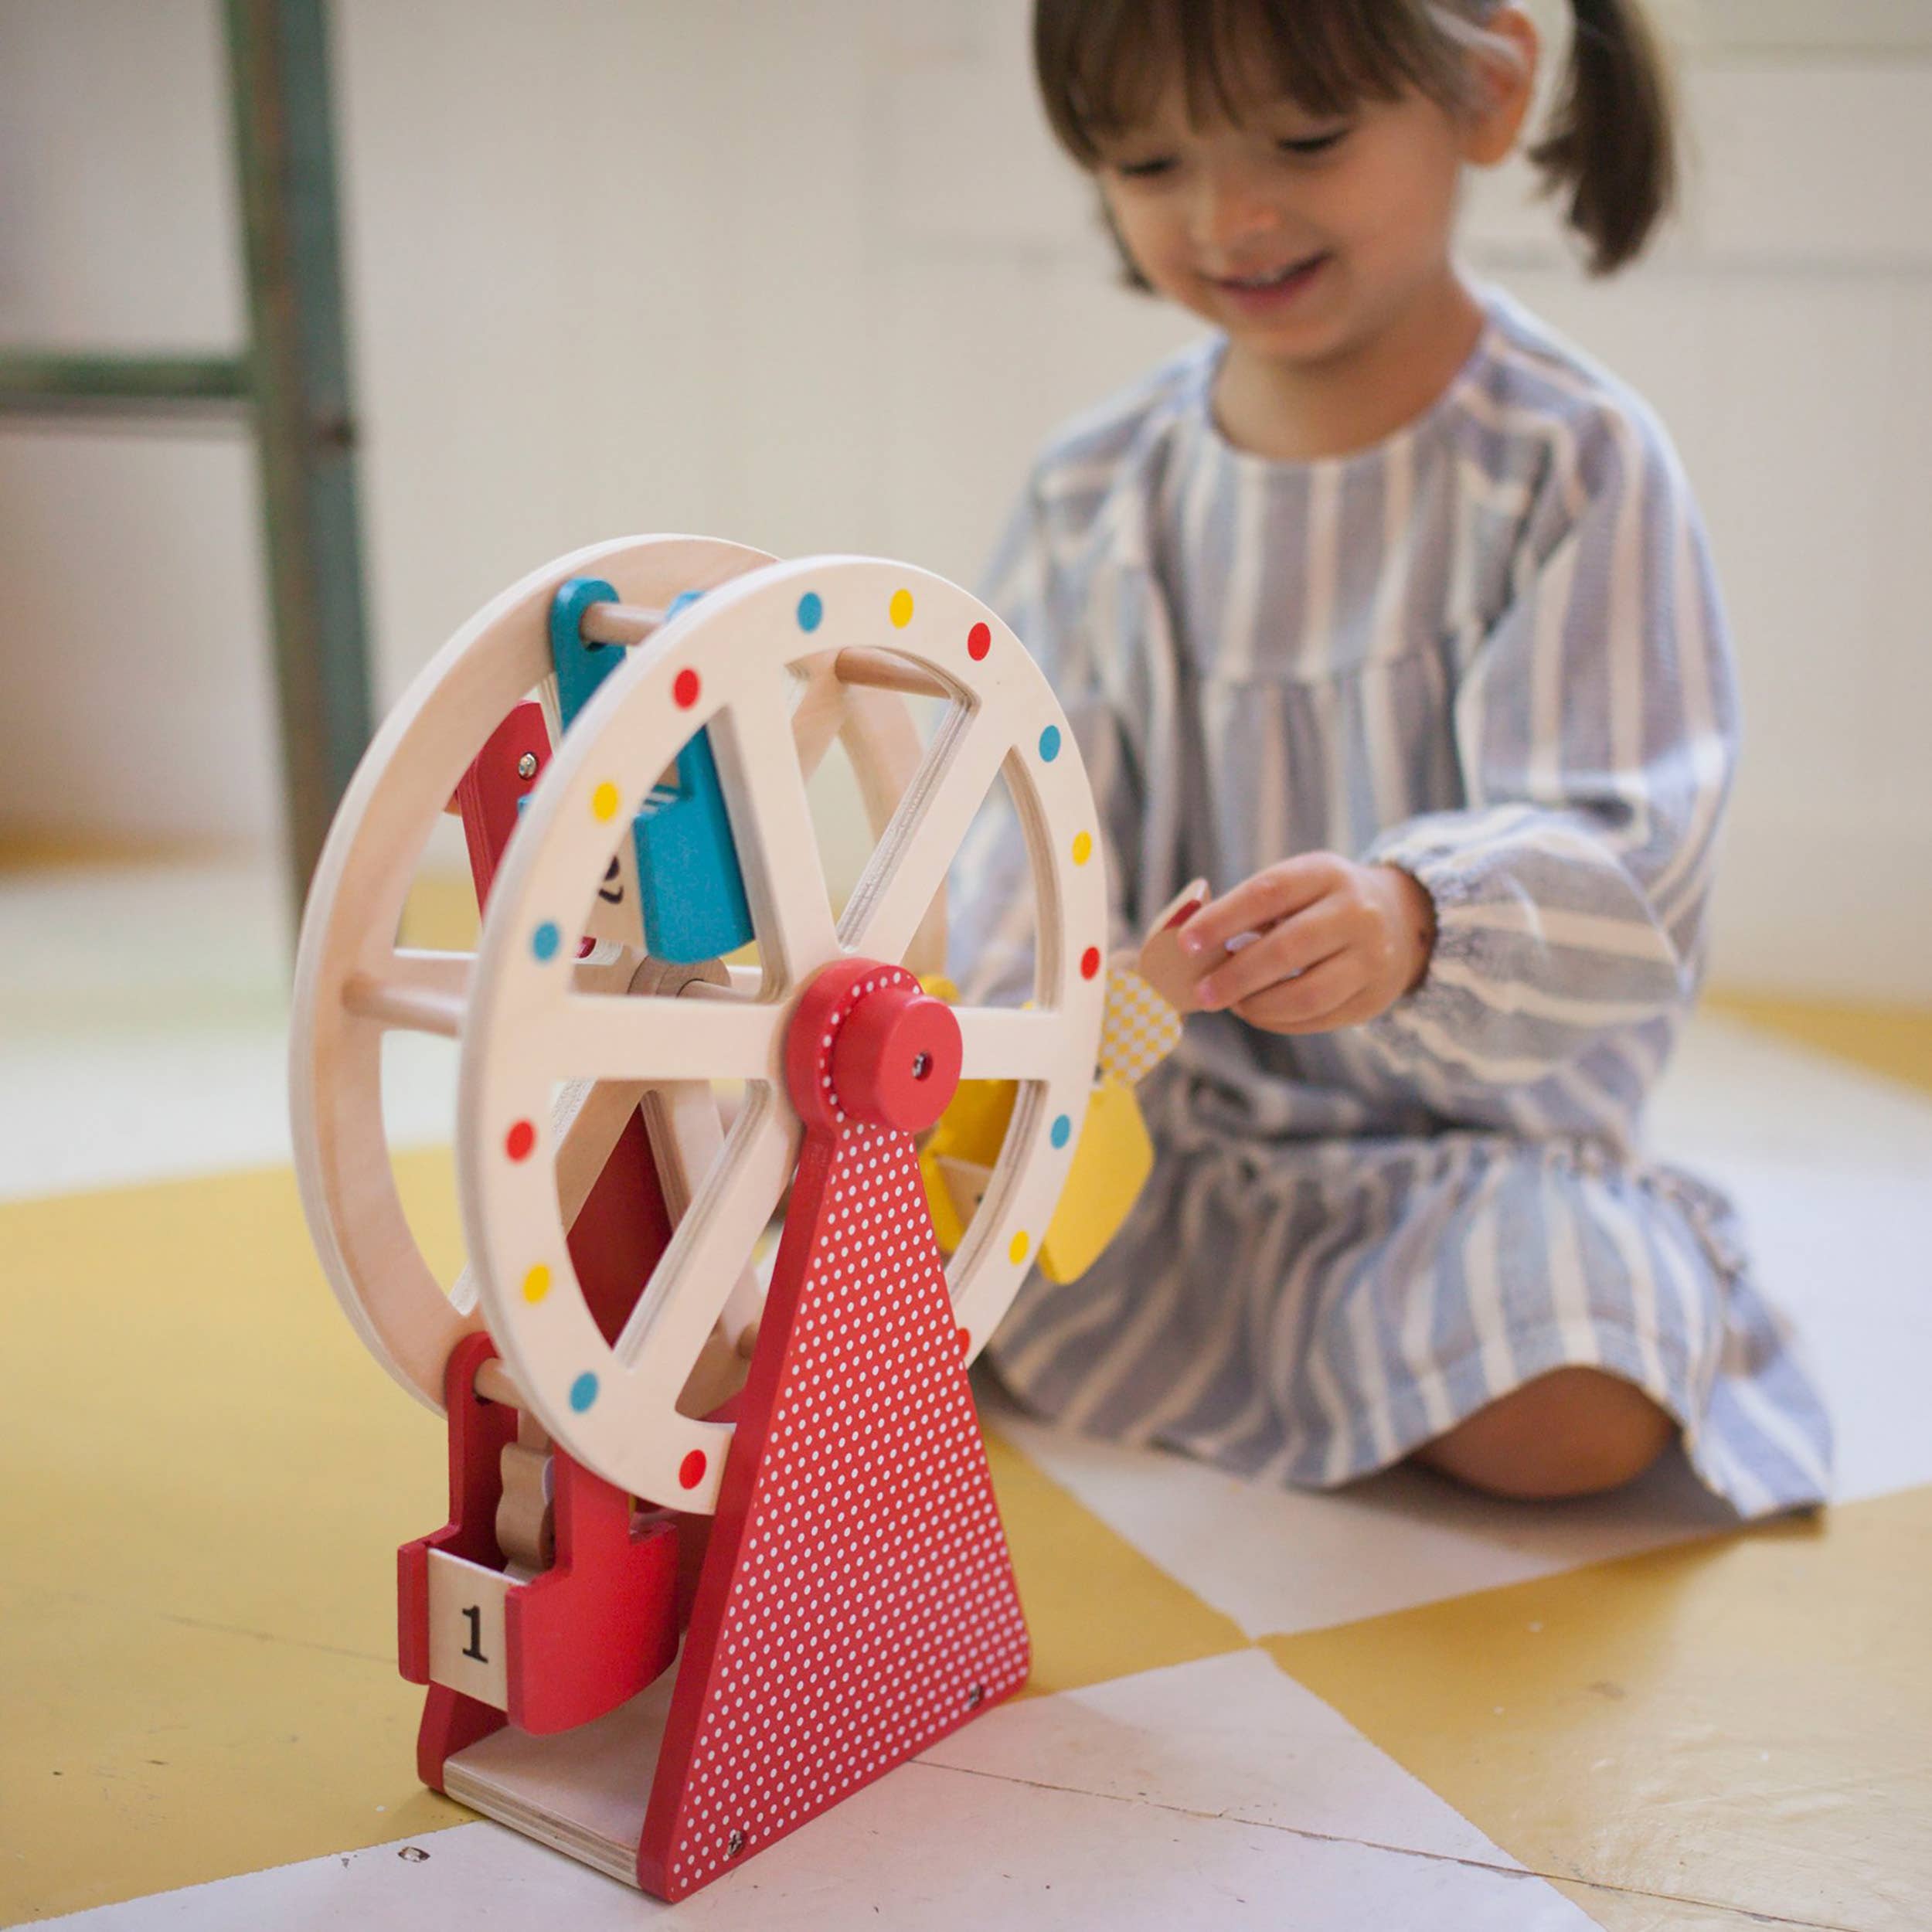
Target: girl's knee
[{"x": 1574, "y": 1432}]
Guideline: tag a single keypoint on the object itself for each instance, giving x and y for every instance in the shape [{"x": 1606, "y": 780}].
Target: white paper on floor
[
  {"x": 1833, "y": 1171},
  {"x": 1229, "y": 1736},
  {"x": 1204, "y": 1795}
]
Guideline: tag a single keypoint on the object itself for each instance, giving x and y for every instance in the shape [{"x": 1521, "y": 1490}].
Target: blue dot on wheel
[
  {"x": 583, "y": 1392},
  {"x": 1062, "y": 1132},
  {"x": 810, "y": 611},
  {"x": 1050, "y": 744},
  {"x": 682, "y": 601},
  {"x": 545, "y": 939}
]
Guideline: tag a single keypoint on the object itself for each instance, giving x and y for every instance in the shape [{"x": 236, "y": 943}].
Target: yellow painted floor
[
  {"x": 1746, "y": 1721},
  {"x": 204, "y": 1477},
  {"x": 1896, "y": 1041}
]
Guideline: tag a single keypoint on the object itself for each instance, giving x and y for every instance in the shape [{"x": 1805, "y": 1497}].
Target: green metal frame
[
  {"x": 35, "y": 383},
  {"x": 292, "y": 383}
]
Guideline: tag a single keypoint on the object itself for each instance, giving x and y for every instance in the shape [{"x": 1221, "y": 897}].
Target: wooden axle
[
  {"x": 625, "y": 624},
  {"x": 423, "y": 1009},
  {"x": 493, "y": 1384},
  {"x": 429, "y": 992}
]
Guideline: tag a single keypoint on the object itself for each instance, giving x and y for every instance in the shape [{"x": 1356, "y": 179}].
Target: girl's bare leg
[{"x": 1574, "y": 1432}]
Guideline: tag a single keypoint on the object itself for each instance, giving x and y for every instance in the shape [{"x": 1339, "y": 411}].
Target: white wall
[{"x": 810, "y": 275}]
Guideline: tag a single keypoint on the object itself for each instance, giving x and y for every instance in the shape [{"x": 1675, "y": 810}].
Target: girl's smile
[{"x": 1258, "y": 294}]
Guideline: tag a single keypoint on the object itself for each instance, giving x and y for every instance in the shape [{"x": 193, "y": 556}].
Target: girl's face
[{"x": 1302, "y": 236}]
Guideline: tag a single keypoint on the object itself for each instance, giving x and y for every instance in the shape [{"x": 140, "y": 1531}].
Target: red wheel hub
[{"x": 865, "y": 1044}]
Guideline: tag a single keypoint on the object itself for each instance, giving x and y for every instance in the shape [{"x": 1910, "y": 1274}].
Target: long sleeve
[
  {"x": 991, "y": 907},
  {"x": 1595, "y": 728}
]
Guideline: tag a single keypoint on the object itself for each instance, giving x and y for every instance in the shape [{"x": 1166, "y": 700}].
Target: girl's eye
[
  {"x": 1313, "y": 144},
  {"x": 1147, "y": 169}
]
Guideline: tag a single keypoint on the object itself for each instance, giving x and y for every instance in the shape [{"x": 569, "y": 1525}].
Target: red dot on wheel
[
  {"x": 518, "y": 1141},
  {"x": 684, "y": 688},
  {"x": 979, "y": 641},
  {"x": 965, "y": 1342},
  {"x": 691, "y": 1471},
  {"x": 1090, "y": 962}
]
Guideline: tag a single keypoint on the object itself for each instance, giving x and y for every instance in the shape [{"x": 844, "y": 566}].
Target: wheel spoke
[
  {"x": 817, "y": 709},
  {"x": 785, "y": 875},
  {"x": 414, "y": 1009},
  {"x": 1007, "y": 1043},
  {"x": 925, "y": 836},
  {"x": 599, "y": 1036},
  {"x": 687, "y": 1138},
  {"x": 585, "y": 1120},
  {"x": 588, "y": 1120},
  {"x": 713, "y": 1245}
]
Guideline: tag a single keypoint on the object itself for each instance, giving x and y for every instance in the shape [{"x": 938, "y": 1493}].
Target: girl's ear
[{"x": 1505, "y": 77}]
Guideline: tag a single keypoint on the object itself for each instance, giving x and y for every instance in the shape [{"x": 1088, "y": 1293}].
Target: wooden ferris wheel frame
[{"x": 774, "y": 661}]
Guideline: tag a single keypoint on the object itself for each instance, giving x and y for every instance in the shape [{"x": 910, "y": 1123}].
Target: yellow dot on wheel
[
  {"x": 1083, "y": 847},
  {"x": 901, "y": 608},
  {"x": 604, "y": 801},
  {"x": 536, "y": 1284},
  {"x": 1017, "y": 1248}
]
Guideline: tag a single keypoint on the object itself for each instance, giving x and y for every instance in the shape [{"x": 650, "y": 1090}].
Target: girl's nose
[{"x": 1233, "y": 207}]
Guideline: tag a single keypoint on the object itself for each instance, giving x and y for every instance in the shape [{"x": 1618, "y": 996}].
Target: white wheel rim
[
  {"x": 342, "y": 1158},
  {"x": 613, "y": 1408}
]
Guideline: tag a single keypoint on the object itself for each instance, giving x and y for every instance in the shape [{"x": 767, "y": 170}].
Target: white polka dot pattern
[
  {"x": 872, "y": 1606},
  {"x": 1140, "y": 1027}
]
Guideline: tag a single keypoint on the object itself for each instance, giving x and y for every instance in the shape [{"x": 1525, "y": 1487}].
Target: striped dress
[{"x": 1489, "y": 650}]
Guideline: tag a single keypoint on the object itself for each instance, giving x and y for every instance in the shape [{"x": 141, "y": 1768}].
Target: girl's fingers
[
  {"x": 1269, "y": 896},
  {"x": 1313, "y": 1003},
  {"x": 1279, "y": 954}
]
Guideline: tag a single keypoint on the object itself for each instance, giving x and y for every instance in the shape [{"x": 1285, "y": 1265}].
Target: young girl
[{"x": 1389, "y": 613}]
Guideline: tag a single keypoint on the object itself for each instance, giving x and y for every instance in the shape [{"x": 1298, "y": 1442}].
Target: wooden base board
[{"x": 582, "y": 1792}]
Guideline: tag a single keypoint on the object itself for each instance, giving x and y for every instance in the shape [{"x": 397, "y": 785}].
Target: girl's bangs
[{"x": 1102, "y": 64}]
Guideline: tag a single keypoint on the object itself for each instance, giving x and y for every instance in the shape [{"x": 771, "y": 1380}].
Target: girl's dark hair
[{"x": 1609, "y": 153}]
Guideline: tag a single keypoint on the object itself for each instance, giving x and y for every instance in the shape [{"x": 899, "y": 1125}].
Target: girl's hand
[{"x": 1336, "y": 943}]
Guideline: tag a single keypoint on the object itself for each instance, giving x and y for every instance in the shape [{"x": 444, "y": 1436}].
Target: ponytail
[{"x": 1611, "y": 151}]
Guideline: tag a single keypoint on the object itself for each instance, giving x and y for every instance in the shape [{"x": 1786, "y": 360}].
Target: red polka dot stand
[{"x": 857, "y": 1601}]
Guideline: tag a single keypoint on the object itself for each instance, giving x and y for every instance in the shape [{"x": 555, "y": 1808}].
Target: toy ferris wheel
[{"x": 825, "y": 1535}]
